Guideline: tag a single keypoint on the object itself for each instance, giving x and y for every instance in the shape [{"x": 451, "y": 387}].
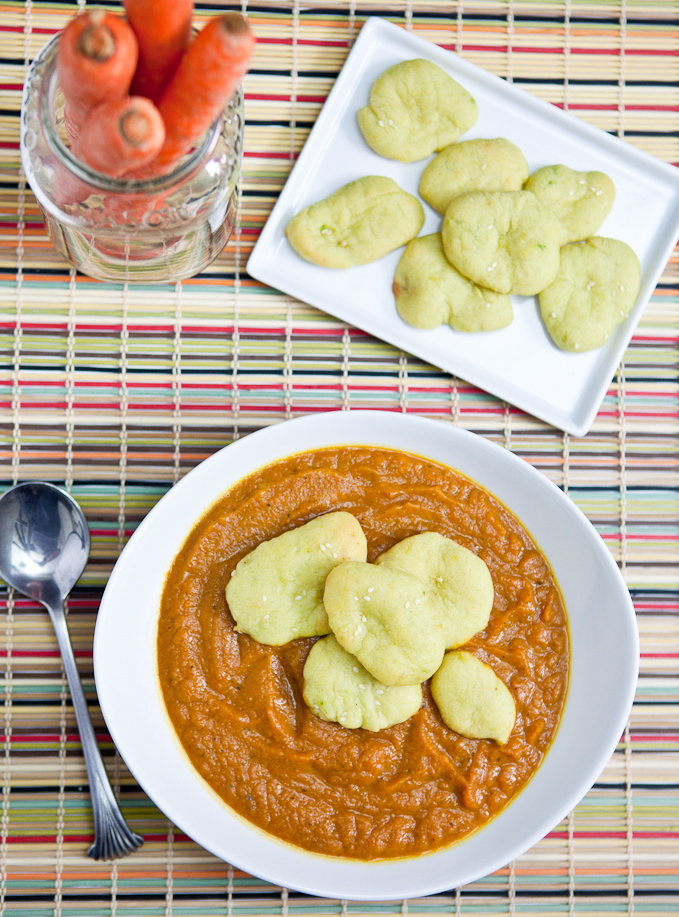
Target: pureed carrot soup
[{"x": 237, "y": 705}]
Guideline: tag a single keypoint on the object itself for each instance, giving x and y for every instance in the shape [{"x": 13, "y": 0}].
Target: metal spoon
[{"x": 44, "y": 545}]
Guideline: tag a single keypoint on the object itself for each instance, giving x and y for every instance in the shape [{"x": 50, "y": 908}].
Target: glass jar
[{"x": 156, "y": 230}]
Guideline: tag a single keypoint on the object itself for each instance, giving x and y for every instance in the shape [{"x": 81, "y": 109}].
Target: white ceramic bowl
[{"x": 603, "y": 667}]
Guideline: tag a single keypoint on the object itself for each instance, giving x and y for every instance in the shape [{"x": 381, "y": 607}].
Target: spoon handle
[{"x": 112, "y": 837}]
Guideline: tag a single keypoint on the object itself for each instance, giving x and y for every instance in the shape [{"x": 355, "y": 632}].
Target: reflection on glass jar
[{"x": 161, "y": 229}]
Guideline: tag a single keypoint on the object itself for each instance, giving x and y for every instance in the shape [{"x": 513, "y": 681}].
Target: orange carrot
[
  {"x": 206, "y": 78},
  {"x": 120, "y": 135},
  {"x": 163, "y": 33},
  {"x": 96, "y": 61},
  {"x": 116, "y": 137}
]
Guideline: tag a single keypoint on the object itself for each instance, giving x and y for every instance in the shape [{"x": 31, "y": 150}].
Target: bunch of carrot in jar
[{"x": 139, "y": 92}]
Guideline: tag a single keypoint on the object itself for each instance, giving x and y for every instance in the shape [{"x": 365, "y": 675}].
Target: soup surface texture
[{"x": 237, "y": 705}]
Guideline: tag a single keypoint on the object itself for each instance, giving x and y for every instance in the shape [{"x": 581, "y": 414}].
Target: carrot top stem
[
  {"x": 120, "y": 135},
  {"x": 96, "y": 59},
  {"x": 234, "y": 24},
  {"x": 97, "y": 43},
  {"x": 135, "y": 127}
]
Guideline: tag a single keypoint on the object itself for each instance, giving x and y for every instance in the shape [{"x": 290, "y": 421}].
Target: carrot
[
  {"x": 205, "y": 80},
  {"x": 116, "y": 137},
  {"x": 96, "y": 60},
  {"x": 163, "y": 33},
  {"x": 120, "y": 135}
]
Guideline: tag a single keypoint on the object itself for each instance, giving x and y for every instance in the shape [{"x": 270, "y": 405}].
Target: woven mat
[{"x": 116, "y": 392}]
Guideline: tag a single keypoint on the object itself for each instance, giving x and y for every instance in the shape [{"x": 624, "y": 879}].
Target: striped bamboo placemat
[{"x": 116, "y": 392}]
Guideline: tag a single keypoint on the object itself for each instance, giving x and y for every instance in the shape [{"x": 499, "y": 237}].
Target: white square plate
[{"x": 519, "y": 363}]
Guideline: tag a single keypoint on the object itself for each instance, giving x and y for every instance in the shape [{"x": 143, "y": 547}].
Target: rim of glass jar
[{"x": 48, "y": 58}]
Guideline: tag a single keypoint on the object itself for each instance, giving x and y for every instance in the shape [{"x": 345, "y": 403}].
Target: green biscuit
[
  {"x": 429, "y": 292},
  {"x": 581, "y": 201},
  {"x": 340, "y": 690},
  {"x": 387, "y": 620},
  {"x": 458, "y": 579},
  {"x": 504, "y": 240},
  {"x": 472, "y": 700},
  {"x": 594, "y": 291},
  {"x": 415, "y": 108},
  {"x": 358, "y": 223},
  {"x": 473, "y": 165},
  {"x": 275, "y": 594}
]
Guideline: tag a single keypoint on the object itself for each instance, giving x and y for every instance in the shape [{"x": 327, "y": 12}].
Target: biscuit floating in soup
[
  {"x": 340, "y": 690},
  {"x": 403, "y": 782},
  {"x": 460, "y": 582},
  {"x": 276, "y": 591},
  {"x": 472, "y": 699},
  {"x": 388, "y": 619}
]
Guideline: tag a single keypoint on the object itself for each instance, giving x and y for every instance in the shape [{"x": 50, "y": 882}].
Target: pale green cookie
[
  {"x": 276, "y": 591},
  {"x": 338, "y": 689},
  {"x": 415, "y": 108},
  {"x": 429, "y": 292},
  {"x": 595, "y": 290},
  {"x": 504, "y": 240},
  {"x": 473, "y": 165},
  {"x": 472, "y": 700},
  {"x": 361, "y": 222},
  {"x": 581, "y": 201},
  {"x": 455, "y": 576},
  {"x": 387, "y": 620}
]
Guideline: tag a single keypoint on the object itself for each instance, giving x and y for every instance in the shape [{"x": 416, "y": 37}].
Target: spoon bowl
[
  {"x": 44, "y": 540},
  {"x": 44, "y": 546}
]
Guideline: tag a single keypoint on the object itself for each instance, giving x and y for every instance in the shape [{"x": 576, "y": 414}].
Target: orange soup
[{"x": 237, "y": 705}]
